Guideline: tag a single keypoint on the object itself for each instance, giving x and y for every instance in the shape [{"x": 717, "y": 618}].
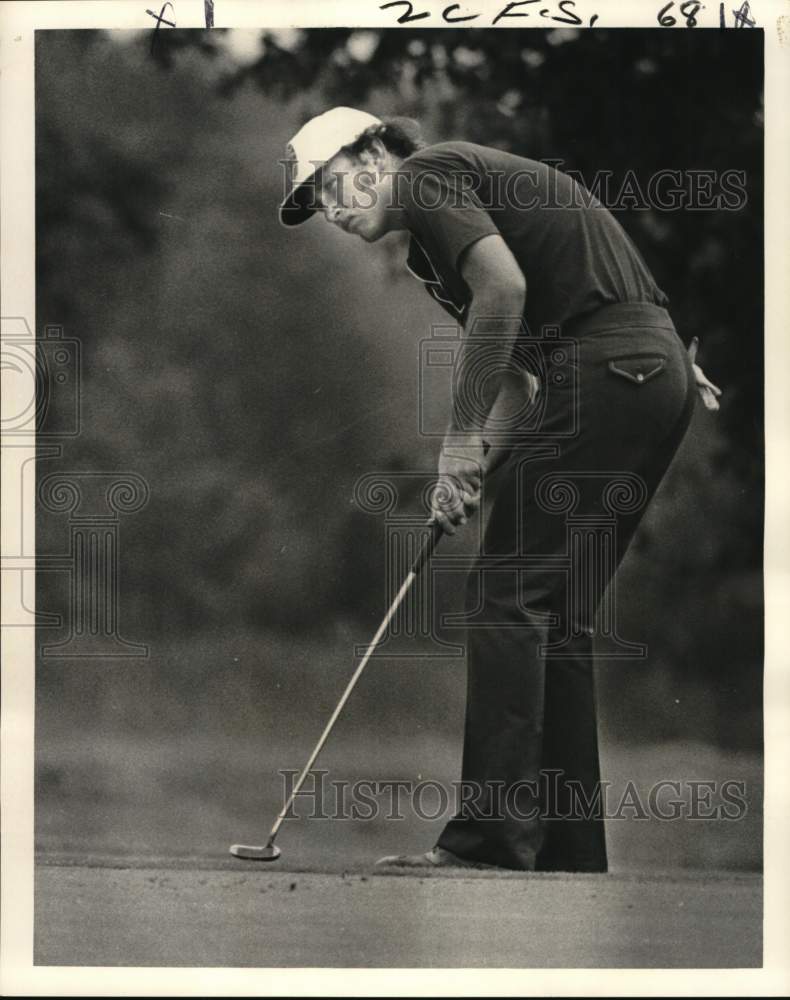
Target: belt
[{"x": 619, "y": 315}]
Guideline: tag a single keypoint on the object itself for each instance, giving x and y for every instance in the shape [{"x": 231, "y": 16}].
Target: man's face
[{"x": 354, "y": 195}]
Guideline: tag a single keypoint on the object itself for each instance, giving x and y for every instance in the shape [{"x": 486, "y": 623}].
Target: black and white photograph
[{"x": 389, "y": 436}]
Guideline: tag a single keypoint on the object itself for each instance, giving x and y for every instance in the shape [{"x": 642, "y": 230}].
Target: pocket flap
[{"x": 638, "y": 369}]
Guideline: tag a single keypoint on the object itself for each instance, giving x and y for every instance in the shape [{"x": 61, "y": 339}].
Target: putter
[
  {"x": 509, "y": 402},
  {"x": 269, "y": 851}
]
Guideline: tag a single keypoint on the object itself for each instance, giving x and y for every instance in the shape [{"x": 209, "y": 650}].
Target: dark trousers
[{"x": 566, "y": 504}]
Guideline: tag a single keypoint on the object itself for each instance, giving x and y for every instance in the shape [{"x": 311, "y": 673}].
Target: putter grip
[
  {"x": 428, "y": 546},
  {"x": 437, "y": 531}
]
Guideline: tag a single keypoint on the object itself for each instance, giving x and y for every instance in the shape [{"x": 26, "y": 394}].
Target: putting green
[{"x": 234, "y": 914}]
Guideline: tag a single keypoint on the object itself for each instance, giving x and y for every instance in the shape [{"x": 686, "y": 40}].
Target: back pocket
[{"x": 638, "y": 368}]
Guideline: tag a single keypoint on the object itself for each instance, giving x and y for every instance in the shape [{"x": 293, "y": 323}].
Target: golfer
[{"x": 521, "y": 255}]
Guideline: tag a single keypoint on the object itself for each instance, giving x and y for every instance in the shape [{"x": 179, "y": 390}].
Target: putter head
[{"x": 268, "y": 852}]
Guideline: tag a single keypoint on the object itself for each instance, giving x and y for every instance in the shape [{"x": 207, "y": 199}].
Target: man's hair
[{"x": 399, "y": 136}]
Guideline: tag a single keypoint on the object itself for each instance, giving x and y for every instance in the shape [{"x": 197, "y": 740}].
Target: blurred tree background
[{"x": 251, "y": 375}]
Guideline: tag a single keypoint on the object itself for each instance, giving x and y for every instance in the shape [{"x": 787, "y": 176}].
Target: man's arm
[{"x": 499, "y": 290}]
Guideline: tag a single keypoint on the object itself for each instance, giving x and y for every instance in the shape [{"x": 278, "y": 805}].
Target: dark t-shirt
[{"x": 574, "y": 254}]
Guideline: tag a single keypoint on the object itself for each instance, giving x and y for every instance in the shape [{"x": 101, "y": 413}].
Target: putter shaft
[{"x": 269, "y": 852}]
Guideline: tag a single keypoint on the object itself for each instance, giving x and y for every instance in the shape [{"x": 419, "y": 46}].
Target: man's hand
[
  {"x": 707, "y": 390},
  {"x": 456, "y": 495}
]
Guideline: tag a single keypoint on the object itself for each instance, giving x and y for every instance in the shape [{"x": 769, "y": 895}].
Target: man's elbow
[{"x": 505, "y": 291}]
